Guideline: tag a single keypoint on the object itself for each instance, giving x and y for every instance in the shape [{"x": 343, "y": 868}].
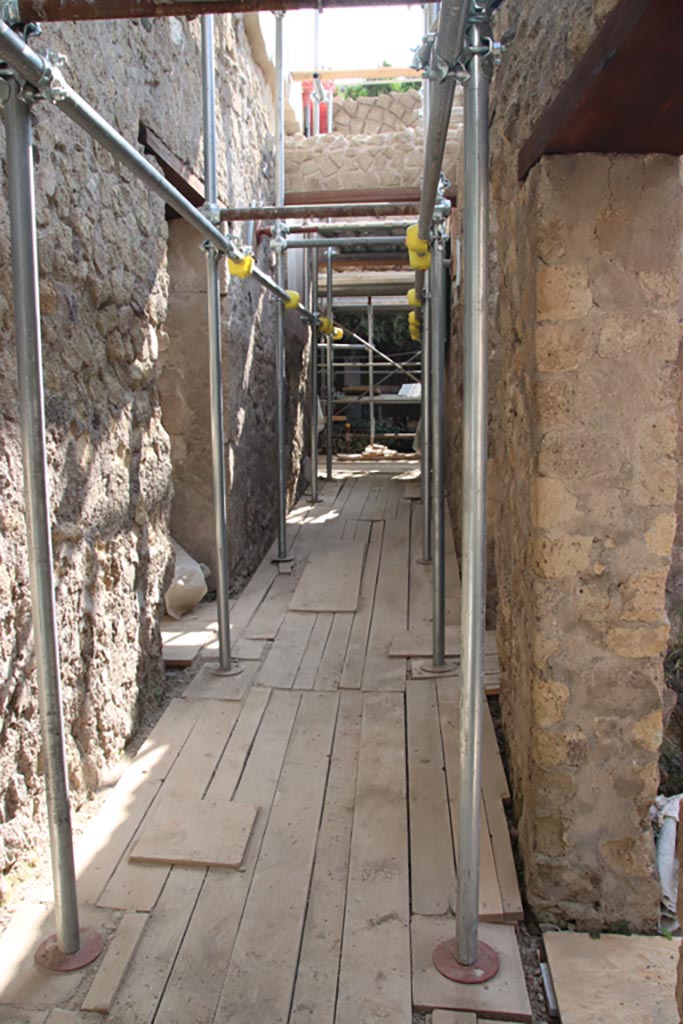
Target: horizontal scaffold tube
[
  {"x": 48, "y": 80},
  {"x": 86, "y": 10},
  {"x": 319, "y": 210},
  {"x": 347, "y": 241}
]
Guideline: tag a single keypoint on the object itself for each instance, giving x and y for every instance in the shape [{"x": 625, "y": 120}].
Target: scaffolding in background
[{"x": 458, "y": 47}]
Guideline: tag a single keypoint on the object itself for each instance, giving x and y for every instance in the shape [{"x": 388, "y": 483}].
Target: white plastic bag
[{"x": 188, "y": 586}]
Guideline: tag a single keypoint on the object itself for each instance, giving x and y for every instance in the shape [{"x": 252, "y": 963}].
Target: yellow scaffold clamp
[
  {"x": 414, "y": 326},
  {"x": 337, "y": 333},
  {"x": 326, "y": 326},
  {"x": 413, "y": 299},
  {"x": 418, "y": 249},
  {"x": 242, "y": 267},
  {"x": 293, "y": 300}
]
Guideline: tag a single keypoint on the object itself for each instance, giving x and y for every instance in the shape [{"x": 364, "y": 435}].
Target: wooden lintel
[
  {"x": 178, "y": 173},
  {"x": 626, "y": 93},
  {"x": 364, "y": 74}
]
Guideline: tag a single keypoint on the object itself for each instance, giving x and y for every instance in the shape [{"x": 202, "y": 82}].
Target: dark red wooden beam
[
  {"x": 625, "y": 95},
  {"x": 90, "y": 10}
]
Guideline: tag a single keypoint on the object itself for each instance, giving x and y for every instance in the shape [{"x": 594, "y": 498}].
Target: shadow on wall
[{"x": 248, "y": 320}]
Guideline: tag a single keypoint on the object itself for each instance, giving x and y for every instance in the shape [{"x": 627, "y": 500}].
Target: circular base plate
[
  {"x": 282, "y": 561},
  {"x": 234, "y": 670},
  {"x": 50, "y": 956},
  {"x": 486, "y": 966},
  {"x": 448, "y": 668},
  {"x": 423, "y": 561}
]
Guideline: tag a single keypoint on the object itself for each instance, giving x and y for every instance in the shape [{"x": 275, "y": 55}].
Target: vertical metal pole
[
  {"x": 280, "y": 356},
  {"x": 426, "y": 424},
  {"x": 330, "y": 110},
  {"x": 330, "y": 371},
  {"x": 316, "y": 69},
  {"x": 439, "y": 327},
  {"x": 475, "y": 422},
  {"x": 371, "y": 369},
  {"x": 220, "y": 490},
  {"x": 32, "y": 418},
  {"x": 314, "y": 378}
]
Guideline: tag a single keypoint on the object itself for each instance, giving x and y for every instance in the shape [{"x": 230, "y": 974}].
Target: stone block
[{"x": 562, "y": 556}]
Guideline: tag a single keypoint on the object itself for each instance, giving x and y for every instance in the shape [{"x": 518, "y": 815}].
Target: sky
[{"x": 357, "y": 37}]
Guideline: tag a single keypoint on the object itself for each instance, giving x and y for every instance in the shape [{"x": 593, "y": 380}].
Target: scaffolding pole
[
  {"x": 279, "y": 246},
  {"x": 371, "y": 369},
  {"x": 320, "y": 210},
  {"x": 467, "y": 959},
  {"x": 220, "y": 490},
  {"x": 314, "y": 379},
  {"x": 70, "y": 947},
  {"x": 438, "y": 330},
  {"x": 426, "y": 425},
  {"x": 330, "y": 372}
]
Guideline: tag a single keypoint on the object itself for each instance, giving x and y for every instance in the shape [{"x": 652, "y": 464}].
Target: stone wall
[
  {"x": 331, "y": 162},
  {"x": 586, "y": 272},
  {"x": 376, "y": 115},
  {"x": 248, "y": 325},
  {"x": 103, "y": 264}
]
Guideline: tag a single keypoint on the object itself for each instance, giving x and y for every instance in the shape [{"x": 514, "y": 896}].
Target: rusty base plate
[
  {"x": 485, "y": 967},
  {"x": 50, "y": 956}
]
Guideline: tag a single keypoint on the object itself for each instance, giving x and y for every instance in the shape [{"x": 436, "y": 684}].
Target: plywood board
[
  {"x": 331, "y": 580},
  {"x": 209, "y": 684},
  {"x": 418, "y": 644},
  {"x": 614, "y": 979},
  {"x": 315, "y": 993},
  {"x": 196, "y": 833},
  {"x": 147, "y": 976},
  {"x": 490, "y": 901},
  {"x": 352, "y": 673},
  {"x": 282, "y": 664},
  {"x": 432, "y": 864},
  {"x": 308, "y": 669},
  {"x": 390, "y": 611},
  {"x": 260, "y": 977},
  {"x": 332, "y": 664},
  {"x": 194, "y": 988},
  {"x": 115, "y": 962},
  {"x": 374, "y": 980},
  {"x": 504, "y": 997}
]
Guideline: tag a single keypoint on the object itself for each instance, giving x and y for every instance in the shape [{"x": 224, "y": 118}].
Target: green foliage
[{"x": 352, "y": 92}]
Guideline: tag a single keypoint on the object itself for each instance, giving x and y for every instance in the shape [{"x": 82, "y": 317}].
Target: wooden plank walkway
[{"x": 351, "y": 760}]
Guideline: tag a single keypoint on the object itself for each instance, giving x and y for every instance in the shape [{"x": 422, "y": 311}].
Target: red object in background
[{"x": 308, "y": 105}]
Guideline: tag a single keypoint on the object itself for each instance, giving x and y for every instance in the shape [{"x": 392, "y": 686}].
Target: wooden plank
[
  {"x": 419, "y": 644},
  {"x": 315, "y": 992},
  {"x": 260, "y": 978},
  {"x": 332, "y": 665},
  {"x": 374, "y": 980},
  {"x": 231, "y": 765},
  {"x": 331, "y": 580},
  {"x": 504, "y": 997},
  {"x": 210, "y": 684},
  {"x": 266, "y": 621},
  {"x": 305, "y": 678},
  {"x": 494, "y": 777},
  {"x": 354, "y": 660},
  {"x": 357, "y": 497},
  {"x": 432, "y": 864},
  {"x": 194, "y": 988},
  {"x": 600, "y": 108},
  {"x": 114, "y": 964},
  {"x": 614, "y": 979},
  {"x": 453, "y": 1017},
  {"x": 139, "y": 994},
  {"x": 106, "y": 838},
  {"x": 282, "y": 664},
  {"x": 390, "y": 610},
  {"x": 490, "y": 902},
  {"x": 196, "y": 833},
  {"x": 135, "y": 886},
  {"x": 506, "y": 870}
]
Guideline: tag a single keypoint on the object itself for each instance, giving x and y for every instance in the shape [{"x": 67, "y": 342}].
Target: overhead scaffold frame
[{"x": 460, "y": 50}]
